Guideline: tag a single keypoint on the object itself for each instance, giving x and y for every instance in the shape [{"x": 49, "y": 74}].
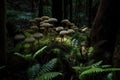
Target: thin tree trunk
[
  {"x": 90, "y": 13},
  {"x": 71, "y": 11},
  {"x": 3, "y": 47},
  {"x": 57, "y": 10},
  {"x": 40, "y": 8}
]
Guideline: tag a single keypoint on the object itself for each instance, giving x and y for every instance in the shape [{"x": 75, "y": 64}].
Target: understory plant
[
  {"x": 96, "y": 71},
  {"x": 43, "y": 72},
  {"x": 31, "y": 56}
]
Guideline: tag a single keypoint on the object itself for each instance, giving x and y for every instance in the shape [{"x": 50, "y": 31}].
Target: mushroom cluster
[{"x": 45, "y": 27}]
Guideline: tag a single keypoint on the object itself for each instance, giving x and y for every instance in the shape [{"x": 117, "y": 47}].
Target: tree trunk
[
  {"x": 3, "y": 47},
  {"x": 71, "y": 7},
  {"x": 57, "y": 10},
  {"x": 90, "y": 13},
  {"x": 40, "y": 8},
  {"x": 66, "y": 9},
  {"x": 105, "y": 34},
  {"x": 104, "y": 29}
]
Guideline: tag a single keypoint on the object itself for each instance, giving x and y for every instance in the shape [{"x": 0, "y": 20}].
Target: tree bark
[
  {"x": 71, "y": 7},
  {"x": 40, "y": 8},
  {"x": 57, "y": 10},
  {"x": 3, "y": 43},
  {"x": 104, "y": 29}
]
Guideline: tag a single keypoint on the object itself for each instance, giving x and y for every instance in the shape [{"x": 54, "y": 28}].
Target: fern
[
  {"x": 94, "y": 71},
  {"x": 39, "y": 52},
  {"x": 33, "y": 71},
  {"x": 30, "y": 56},
  {"x": 48, "y": 76},
  {"x": 43, "y": 72},
  {"x": 48, "y": 66}
]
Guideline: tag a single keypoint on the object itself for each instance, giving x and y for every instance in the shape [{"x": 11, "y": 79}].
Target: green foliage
[
  {"x": 43, "y": 72},
  {"x": 31, "y": 56},
  {"x": 48, "y": 76},
  {"x": 93, "y": 70},
  {"x": 39, "y": 51},
  {"x": 48, "y": 66}
]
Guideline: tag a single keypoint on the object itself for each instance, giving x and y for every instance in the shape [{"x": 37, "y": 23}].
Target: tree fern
[{"x": 48, "y": 76}]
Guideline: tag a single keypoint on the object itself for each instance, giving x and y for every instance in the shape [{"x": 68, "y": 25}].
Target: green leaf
[
  {"x": 90, "y": 71},
  {"x": 39, "y": 51},
  {"x": 48, "y": 76},
  {"x": 18, "y": 54},
  {"x": 48, "y": 66}
]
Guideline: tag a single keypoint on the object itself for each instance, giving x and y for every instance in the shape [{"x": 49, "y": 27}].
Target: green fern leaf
[
  {"x": 90, "y": 71},
  {"x": 39, "y": 51},
  {"x": 48, "y": 66},
  {"x": 93, "y": 71},
  {"x": 48, "y": 76}
]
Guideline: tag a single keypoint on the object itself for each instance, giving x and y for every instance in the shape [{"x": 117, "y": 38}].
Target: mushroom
[
  {"x": 52, "y": 20},
  {"x": 44, "y": 18},
  {"x": 46, "y": 25},
  {"x": 66, "y": 23},
  {"x": 19, "y": 37},
  {"x": 35, "y": 28},
  {"x": 58, "y": 29},
  {"x": 38, "y": 36},
  {"x": 70, "y": 31},
  {"x": 32, "y": 22},
  {"x": 62, "y": 34},
  {"x": 30, "y": 41},
  {"x": 29, "y": 31}
]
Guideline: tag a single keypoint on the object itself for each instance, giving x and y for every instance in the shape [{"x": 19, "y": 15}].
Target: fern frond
[
  {"x": 97, "y": 64},
  {"x": 93, "y": 71},
  {"x": 25, "y": 56},
  {"x": 48, "y": 76},
  {"x": 33, "y": 70},
  {"x": 48, "y": 66},
  {"x": 39, "y": 51},
  {"x": 81, "y": 69},
  {"x": 106, "y": 66}
]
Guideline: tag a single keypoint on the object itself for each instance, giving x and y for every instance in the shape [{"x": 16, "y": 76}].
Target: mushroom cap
[
  {"x": 46, "y": 25},
  {"x": 32, "y": 21},
  {"x": 38, "y": 35},
  {"x": 59, "y": 28},
  {"x": 64, "y": 32},
  {"x": 30, "y": 40},
  {"x": 45, "y": 17},
  {"x": 19, "y": 37},
  {"x": 66, "y": 21},
  {"x": 52, "y": 20},
  {"x": 38, "y": 19},
  {"x": 29, "y": 31},
  {"x": 34, "y": 27},
  {"x": 70, "y": 31}
]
